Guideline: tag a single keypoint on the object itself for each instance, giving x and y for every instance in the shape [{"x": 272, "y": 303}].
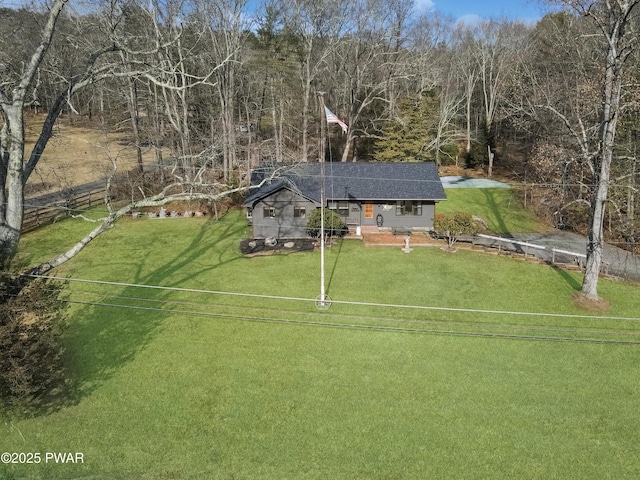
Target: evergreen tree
[{"x": 410, "y": 137}]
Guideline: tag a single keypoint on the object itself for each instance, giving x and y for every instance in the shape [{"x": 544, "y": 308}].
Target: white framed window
[
  {"x": 408, "y": 207},
  {"x": 299, "y": 212},
  {"x": 269, "y": 212}
]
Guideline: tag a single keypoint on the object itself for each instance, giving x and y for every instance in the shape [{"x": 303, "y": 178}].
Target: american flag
[{"x": 333, "y": 118}]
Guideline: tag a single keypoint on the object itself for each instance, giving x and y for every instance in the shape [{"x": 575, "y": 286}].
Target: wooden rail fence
[{"x": 38, "y": 215}]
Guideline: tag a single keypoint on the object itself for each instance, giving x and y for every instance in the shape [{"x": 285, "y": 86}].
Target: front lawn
[{"x": 185, "y": 384}]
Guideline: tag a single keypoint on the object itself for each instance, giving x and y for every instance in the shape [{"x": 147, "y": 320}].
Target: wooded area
[{"x": 212, "y": 87}]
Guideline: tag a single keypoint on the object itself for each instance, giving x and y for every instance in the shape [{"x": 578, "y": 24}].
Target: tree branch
[{"x": 157, "y": 200}]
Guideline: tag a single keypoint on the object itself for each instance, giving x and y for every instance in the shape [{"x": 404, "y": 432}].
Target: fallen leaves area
[{"x": 79, "y": 152}]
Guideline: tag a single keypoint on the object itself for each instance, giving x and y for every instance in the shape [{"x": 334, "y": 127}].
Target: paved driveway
[{"x": 616, "y": 262}]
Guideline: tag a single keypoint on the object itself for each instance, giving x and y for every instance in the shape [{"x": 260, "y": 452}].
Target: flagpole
[{"x": 322, "y": 304}]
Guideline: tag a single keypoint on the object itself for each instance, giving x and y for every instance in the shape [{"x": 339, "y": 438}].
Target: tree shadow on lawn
[
  {"x": 195, "y": 255},
  {"x": 571, "y": 280},
  {"x": 335, "y": 264},
  {"x": 489, "y": 195},
  {"x": 107, "y": 337}
]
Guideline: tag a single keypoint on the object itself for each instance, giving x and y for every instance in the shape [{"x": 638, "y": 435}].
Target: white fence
[{"x": 578, "y": 258}]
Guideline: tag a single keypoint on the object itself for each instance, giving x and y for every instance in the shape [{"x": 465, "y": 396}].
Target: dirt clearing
[{"x": 77, "y": 153}]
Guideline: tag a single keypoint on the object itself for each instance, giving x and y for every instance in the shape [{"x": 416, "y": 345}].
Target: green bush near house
[
  {"x": 333, "y": 224},
  {"x": 454, "y": 225}
]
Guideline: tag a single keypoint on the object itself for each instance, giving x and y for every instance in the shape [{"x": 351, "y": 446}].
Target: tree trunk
[
  {"x": 14, "y": 186},
  {"x": 73, "y": 251},
  {"x": 468, "y": 102},
  {"x": 617, "y": 53},
  {"x": 595, "y": 239},
  {"x": 595, "y": 243},
  {"x": 277, "y": 131},
  {"x": 135, "y": 120},
  {"x": 157, "y": 200},
  {"x": 347, "y": 146},
  {"x": 631, "y": 191},
  {"x": 305, "y": 112}
]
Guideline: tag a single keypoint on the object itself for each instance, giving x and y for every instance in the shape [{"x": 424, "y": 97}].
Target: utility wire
[
  {"x": 369, "y": 327},
  {"x": 263, "y": 311},
  {"x": 343, "y": 302}
]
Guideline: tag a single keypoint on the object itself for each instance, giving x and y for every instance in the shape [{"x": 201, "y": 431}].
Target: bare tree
[
  {"x": 13, "y": 171},
  {"x": 497, "y": 44},
  {"x": 103, "y": 59},
  {"x": 447, "y": 133},
  {"x": 439, "y": 71},
  {"x": 317, "y": 25},
  {"x": 200, "y": 188},
  {"x": 614, "y": 21},
  {"x": 366, "y": 61},
  {"x": 227, "y": 26},
  {"x": 468, "y": 71}
]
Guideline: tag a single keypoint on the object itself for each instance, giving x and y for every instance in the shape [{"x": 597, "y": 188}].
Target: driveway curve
[{"x": 565, "y": 247}]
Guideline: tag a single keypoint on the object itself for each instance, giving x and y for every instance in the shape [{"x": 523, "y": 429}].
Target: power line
[
  {"x": 342, "y": 302},
  {"x": 478, "y": 329},
  {"x": 263, "y": 310},
  {"x": 369, "y": 327}
]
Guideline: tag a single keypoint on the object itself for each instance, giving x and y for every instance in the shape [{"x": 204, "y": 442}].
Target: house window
[
  {"x": 341, "y": 207},
  {"x": 368, "y": 210},
  {"x": 249, "y": 212},
  {"x": 299, "y": 212},
  {"x": 408, "y": 207},
  {"x": 269, "y": 212}
]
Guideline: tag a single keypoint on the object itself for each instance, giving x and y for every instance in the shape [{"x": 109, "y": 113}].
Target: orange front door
[{"x": 368, "y": 210}]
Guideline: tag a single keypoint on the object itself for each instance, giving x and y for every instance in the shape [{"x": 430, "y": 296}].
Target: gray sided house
[{"x": 369, "y": 195}]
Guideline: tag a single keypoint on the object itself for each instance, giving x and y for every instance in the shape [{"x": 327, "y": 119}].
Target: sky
[{"x": 468, "y": 11}]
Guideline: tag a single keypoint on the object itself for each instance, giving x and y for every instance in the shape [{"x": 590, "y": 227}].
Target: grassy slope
[
  {"x": 170, "y": 395},
  {"x": 499, "y": 207}
]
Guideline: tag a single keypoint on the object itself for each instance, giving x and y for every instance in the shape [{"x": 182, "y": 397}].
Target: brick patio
[{"x": 373, "y": 238}]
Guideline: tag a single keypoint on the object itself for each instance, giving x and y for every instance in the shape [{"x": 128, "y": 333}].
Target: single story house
[{"x": 370, "y": 195}]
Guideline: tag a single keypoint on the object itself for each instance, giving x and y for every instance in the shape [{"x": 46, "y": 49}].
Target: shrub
[
  {"x": 32, "y": 368},
  {"x": 333, "y": 224},
  {"x": 454, "y": 225}
]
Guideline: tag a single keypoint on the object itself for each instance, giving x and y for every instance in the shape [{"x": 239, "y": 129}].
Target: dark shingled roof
[{"x": 355, "y": 181}]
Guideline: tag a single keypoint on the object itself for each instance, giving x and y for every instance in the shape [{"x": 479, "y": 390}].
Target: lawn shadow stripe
[{"x": 106, "y": 338}]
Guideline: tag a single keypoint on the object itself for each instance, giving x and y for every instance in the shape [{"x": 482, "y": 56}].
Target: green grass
[
  {"x": 162, "y": 394},
  {"x": 499, "y": 207},
  {"x": 42, "y": 244}
]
